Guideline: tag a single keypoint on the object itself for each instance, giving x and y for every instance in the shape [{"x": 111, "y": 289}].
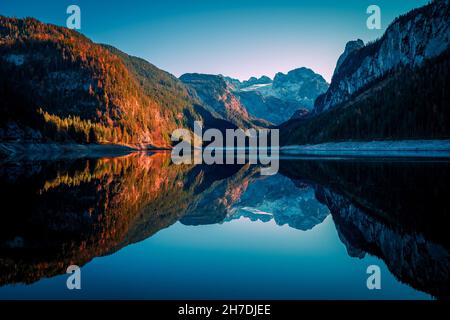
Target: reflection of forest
[
  {"x": 68, "y": 213},
  {"x": 61, "y": 213}
]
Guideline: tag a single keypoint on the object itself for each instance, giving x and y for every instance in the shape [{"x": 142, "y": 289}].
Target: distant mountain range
[
  {"x": 257, "y": 100},
  {"x": 278, "y": 100}
]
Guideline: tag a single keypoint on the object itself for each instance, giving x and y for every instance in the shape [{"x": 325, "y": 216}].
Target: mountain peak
[
  {"x": 296, "y": 75},
  {"x": 350, "y": 47},
  {"x": 354, "y": 44}
]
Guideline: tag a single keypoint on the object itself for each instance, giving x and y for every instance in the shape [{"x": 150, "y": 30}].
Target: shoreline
[
  {"x": 394, "y": 148},
  {"x": 14, "y": 151}
]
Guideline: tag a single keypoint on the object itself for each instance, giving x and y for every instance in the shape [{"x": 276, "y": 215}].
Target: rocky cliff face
[
  {"x": 412, "y": 38},
  {"x": 301, "y": 85},
  {"x": 350, "y": 47},
  {"x": 217, "y": 95},
  {"x": 277, "y": 100}
]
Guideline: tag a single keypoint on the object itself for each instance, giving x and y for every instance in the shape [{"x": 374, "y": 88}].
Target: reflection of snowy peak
[{"x": 278, "y": 198}]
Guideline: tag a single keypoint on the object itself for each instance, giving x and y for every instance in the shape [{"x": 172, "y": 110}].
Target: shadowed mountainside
[{"x": 392, "y": 89}]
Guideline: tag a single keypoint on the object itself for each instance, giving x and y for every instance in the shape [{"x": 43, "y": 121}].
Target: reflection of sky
[
  {"x": 234, "y": 37},
  {"x": 237, "y": 259}
]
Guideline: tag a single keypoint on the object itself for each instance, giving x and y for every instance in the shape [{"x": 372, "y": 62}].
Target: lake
[{"x": 141, "y": 227}]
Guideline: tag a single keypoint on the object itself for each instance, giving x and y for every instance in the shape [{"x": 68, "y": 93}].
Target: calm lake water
[{"x": 141, "y": 227}]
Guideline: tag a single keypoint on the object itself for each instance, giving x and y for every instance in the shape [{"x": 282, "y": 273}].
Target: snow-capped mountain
[
  {"x": 278, "y": 100},
  {"x": 301, "y": 86}
]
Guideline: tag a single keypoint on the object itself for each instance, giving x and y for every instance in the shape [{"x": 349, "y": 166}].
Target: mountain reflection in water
[{"x": 60, "y": 213}]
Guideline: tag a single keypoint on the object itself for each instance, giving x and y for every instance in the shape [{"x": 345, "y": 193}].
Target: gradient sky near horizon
[{"x": 238, "y": 38}]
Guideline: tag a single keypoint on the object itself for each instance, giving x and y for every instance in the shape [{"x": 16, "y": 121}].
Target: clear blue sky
[{"x": 239, "y": 38}]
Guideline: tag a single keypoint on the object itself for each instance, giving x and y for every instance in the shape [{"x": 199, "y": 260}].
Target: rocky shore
[{"x": 14, "y": 151}]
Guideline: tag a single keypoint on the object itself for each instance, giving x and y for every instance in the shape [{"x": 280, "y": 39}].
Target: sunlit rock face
[
  {"x": 59, "y": 86},
  {"x": 217, "y": 95},
  {"x": 421, "y": 34}
]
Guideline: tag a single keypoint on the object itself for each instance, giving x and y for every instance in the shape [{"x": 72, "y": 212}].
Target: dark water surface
[{"x": 141, "y": 227}]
